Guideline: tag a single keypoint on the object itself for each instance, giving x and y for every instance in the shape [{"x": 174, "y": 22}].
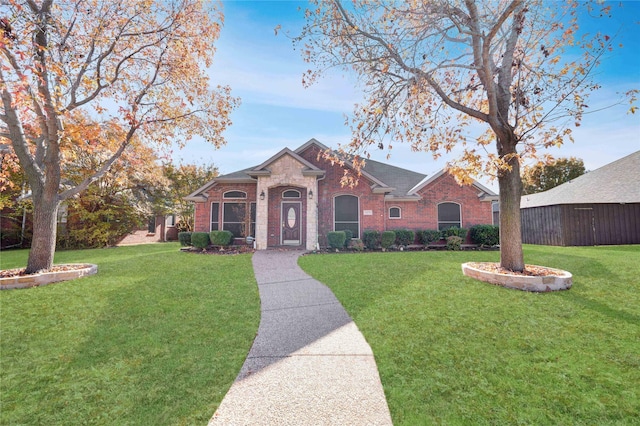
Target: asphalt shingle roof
[
  {"x": 617, "y": 182},
  {"x": 400, "y": 179}
]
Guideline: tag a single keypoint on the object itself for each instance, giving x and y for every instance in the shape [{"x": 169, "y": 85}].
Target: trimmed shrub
[
  {"x": 454, "y": 231},
  {"x": 356, "y": 244},
  {"x": 387, "y": 239},
  {"x": 348, "y": 235},
  {"x": 336, "y": 239},
  {"x": 404, "y": 237},
  {"x": 184, "y": 238},
  {"x": 200, "y": 239},
  {"x": 371, "y": 239},
  {"x": 485, "y": 235},
  {"x": 428, "y": 236},
  {"x": 221, "y": 238},
  {"x": 454, "y": 243}
]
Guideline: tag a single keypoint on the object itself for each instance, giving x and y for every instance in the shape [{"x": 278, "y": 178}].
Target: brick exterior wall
[
  {"x": 215, "y": 194},
  {"x": 373, "y": 209}
]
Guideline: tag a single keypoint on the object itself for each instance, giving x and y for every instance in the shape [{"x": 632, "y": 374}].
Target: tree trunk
[
  {"x": 43, "y": 245},
  {"x": 510, "y": 185}
]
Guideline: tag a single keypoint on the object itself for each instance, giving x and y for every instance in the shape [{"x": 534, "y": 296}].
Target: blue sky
[{"x": 277, "y": 112}]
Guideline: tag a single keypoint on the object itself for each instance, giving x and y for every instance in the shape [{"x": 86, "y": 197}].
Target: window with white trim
[
  {"x": 236, "y": 220},
  {"x": 395, "y": 213},
  {"x": 346, "y": 213},
  {"x": 215, "y": 215},
  {"x": 235, "y": 194},
  {"x": 233, "y": 218},
  {"x": 449, "y": 216}
]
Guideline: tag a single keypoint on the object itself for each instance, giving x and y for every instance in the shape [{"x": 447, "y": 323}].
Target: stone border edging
[
  {"x": 44, "y": 278},
  {"x": 562, "y": 281}
]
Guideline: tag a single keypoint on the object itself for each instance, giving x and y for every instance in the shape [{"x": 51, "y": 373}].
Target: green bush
[
  {"x": 356, "y": 244},
  {"x": 221, "y": 238},
  {"x": 387, "y": 239},
  {"x": 454, "y": 243},
  {"x": 404, "y": 237},
  {"x": 428, "y": 236},
  {"x": 454, "y": 231},
  {"x": 485, "y": 235},
  {"x": 371, "y": 239},
  {"x": 200, "y": 239},
  {"x": 348, "y": 236},
  {"x": 184, "y": 238},
  {"x": 336, "y": 239}
]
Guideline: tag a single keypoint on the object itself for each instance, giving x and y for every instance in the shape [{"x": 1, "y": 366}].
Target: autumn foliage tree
[
  {"x": 139, "y": 64},
  {"x": 184, "y": 179},
  {"x": 119, "y": 201},
  {"x": 551, "y": 173},
  {"x": 461, "y": 75}
]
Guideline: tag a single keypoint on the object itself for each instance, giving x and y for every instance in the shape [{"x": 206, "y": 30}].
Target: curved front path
[{"x": 309, "y": 364}]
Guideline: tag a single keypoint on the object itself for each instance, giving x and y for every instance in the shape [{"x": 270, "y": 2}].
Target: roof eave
[
  {"x": 195, "y": 199},
  {"x": 257, "y": 173},
  {"x": 483, "y": 196},
  {"x": 236, "y": 180},
  {"x": 382, "y": 189},
  {"x": 313, "y": 173},
  {"x": 411, "y": 198}
]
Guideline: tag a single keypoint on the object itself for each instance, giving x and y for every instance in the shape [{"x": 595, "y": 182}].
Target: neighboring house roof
[
  {"x": 617, "y": 182},
  {"x": 395, "y": 182}
]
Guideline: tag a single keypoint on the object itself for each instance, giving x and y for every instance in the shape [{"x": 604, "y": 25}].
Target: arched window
[
  {"x": 346, "y": 213},
  {"x": 449, "y": 216},
  {"x": 395, "y": 213},
  {"x": 291, "y": 193},
  {"x": 235, "y": 194}
]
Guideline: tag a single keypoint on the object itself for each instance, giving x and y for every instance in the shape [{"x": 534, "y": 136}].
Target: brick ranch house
[{"x": 295, "y": 198}]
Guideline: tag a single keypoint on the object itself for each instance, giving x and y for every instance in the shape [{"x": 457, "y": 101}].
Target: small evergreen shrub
[
  {"x": 200, "y": 239},
  {"x": 371, "y": 239},
  {"x": 184, "y": 238},
  {"x": 404, "y": 237},
  {"x": 356, "y": 244},
  {"x": 428, "y": 236},
  {"x": 348, "y": 236},
  {"x": 221, "y": 238},
  {"x": 485, "y": 235},
  {"x": 454, "y": 231},
  {"x": 336, "y": 239},
  {"x": 387, "y": 239},
  {"x": 454, "y": 243}
]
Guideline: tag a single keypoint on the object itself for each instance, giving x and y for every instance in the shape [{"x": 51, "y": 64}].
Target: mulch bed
[
  {"x": 19, "y": 272},
  {"x": 220, "y": 250},
  {"x": 529, "y": 270}
]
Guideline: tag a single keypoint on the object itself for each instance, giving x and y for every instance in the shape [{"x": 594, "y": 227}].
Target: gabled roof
[
  {"x": 484, "y": 194},
  {"x": 263, "y": 170},
  {"x": 617, "y": 182},
  {"x": 395, "y": 182}
]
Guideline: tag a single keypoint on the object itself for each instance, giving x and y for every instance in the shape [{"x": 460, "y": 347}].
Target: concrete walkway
[{"x": 309, "y": 364}]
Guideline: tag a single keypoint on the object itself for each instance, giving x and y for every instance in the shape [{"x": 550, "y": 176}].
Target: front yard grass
[
  {"x": 156, "y": 337},
  {"x": 451, "y": 350}
]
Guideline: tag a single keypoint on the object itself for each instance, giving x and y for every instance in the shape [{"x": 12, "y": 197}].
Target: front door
[{"x": 291, "y": 224}]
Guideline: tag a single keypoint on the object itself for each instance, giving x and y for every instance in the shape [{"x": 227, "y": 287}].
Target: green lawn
[
  {"x": 156, "y": 337},
  {"x": 452, "y": 350}
]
